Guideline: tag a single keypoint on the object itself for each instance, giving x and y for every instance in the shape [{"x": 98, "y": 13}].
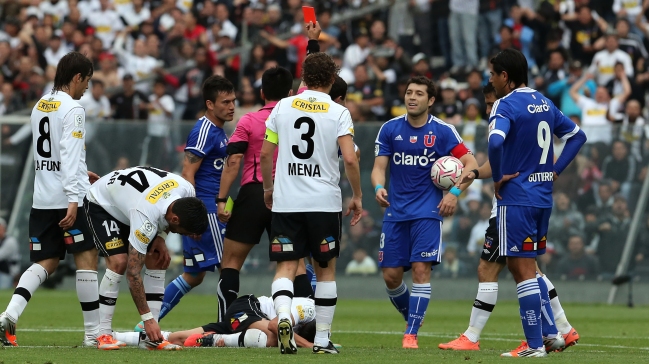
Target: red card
[{"x": 309, "y": 14}]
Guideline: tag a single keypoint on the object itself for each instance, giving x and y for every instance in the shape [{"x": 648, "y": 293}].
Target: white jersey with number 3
[
  {"x": 307, "y": 174},
  {"x": 139, "y": 197},
  {"x": 58, "y": 132}
]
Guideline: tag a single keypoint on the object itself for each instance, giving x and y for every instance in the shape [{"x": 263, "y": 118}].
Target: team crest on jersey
[
  {"x": 281, "y": 244},
  {"x": 310, "y": 106},
  {"x": 329, "y": 243},
  {"x": 380, "y": 257},
  {"x": 413, "y": 139},
  {"x": 48, "y": 105},
  {"x": 237, "y": 319},
  {"x": 72, "y": 236},
  {"x": 376, "y": 150},
  {"x": 114, "y": 243},
  {"x": 78, "y": 120},
  {"x": 159, "y": 191},
  {"x": 429, "y": 140}
]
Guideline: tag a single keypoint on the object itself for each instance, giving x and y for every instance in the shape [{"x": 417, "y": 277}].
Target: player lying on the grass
[
  {"x": 248, "y": 322},
  {"x": 411, "y": 236},
  {"x": 129, "y": 213},
  {"x": 490, "y": 266}
]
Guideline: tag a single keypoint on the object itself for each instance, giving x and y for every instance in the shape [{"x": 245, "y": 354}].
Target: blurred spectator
[
  {"x": 189, "y": 96},
  {"x": 564, "y": 219},
  {"x": 631, "y": 43},
  {"x": 627, "y": 9},
  {"x": 451, "y": 266},
  {"x": 560, "y": 90},
  {"x": 139, "y": 63},
  {"x": 95, "y": 102},
  {"x": 463, "y": 32},
  {"x": 604, "y": 61},
  {"x": 577, "y": 264},
  {"x": 552, "y": 72},
  {"x": 522, "y": 34},
  {"x": 156, "y": 145},
  {"x": 449, "y": 108},
  {"x": 396, "y": 103},
  {"x": 366, "y": 93},
  {"x": 55, "y": 51},
  {"x": 108, "y": 72},
  {"x": 632, "y": 128},
  {"x": 401, "y": 26},
  {"x": 420, "y": 66},
  {"x": 477, "y": 237},
  {"x": 620, "y": 168},
  {"x": 9, "y": 257},
  {"x": 585, "y": 32},
  {"x": 134, "y": 13},
  {"x": 9, "y": 101},
  {"x": 474, "y": 127},
  {"x": 488, "y": 26},
  {"x": 362, "y": 264},
  {"x": 106, "y": 22},
  {"x": 612, "y": 231},
  {"x": 129, "y": 104},
  {"x": 357, "y": 52}
]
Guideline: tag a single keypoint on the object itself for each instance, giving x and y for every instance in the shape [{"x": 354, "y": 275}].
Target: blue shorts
[
  {"x": 405, "y": 242},
  {"x": 522, "y": 230},
  {"x": 205, "y": 255}
]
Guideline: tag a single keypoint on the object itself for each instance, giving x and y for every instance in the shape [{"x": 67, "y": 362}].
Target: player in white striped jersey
[
  {"x": 60, "y": 185},
  {"x": 307, "y": 204},
  {"x": 129, "y": 214}
]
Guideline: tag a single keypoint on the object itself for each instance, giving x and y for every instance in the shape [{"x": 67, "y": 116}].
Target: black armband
[
  {"x": 477, "y": 174},
  {"x": 312, "y": 47},
  {"x": 236, "y": 148}
]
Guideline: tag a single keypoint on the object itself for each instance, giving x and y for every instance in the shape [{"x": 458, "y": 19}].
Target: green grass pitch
[{"x": 370, "y": 331}]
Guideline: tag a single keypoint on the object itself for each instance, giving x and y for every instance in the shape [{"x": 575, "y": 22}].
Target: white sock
[
  {"x": 560, "y": 319},
  {"x": 326, "y": 296},
  {"x": 108, "y": 292},
  {"x": 130, "y": 338},
  {"x": 165, "y": 334},
  {"x": 282, "y": 289},
  {"x": 33, "y": 277},
  {"x": 88, "y": 294},
  {"x": 483, "y": 305},
  {"x": 154, "y": 287},
  {"x": 255, "y": 338},
  {"x": 231, "y": 340}
]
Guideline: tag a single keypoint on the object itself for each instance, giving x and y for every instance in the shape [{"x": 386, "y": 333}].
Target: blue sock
[
  {"x": 548, "y": 327},
  {"x": 418, "y": 305},
  {"x": 400, "y": 298},
  {"x": 173, "y": 293},
  {"x": 310, "y": 273},
  {"x": 529, "y": 299}
]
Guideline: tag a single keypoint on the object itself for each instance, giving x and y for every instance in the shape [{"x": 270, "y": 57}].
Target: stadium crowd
[{"x": 588, "y": 57}]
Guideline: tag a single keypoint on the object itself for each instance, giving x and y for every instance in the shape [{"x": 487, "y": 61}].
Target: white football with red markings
[{"x": 445, "y": 172}]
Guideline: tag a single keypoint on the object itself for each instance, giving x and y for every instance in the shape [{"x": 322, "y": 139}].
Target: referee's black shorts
[{"x": 250, "y": 216}]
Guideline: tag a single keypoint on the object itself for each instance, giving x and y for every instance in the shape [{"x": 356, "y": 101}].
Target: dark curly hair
[{"x": 319, "y": 70}]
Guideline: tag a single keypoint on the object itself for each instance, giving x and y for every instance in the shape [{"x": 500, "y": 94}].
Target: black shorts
[
  {"x": 108, "y": 234},
  {"x": 242, "y": 313},
  {"x": 250, "y": 216},
  {"x": 48, "y": 240},
  {"x": 491, "y": 250},
  {"x": 296, "y": 235}
]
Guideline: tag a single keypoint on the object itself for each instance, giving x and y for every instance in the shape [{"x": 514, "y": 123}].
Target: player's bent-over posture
[
  {"x": 205, "y": 158},
  {"x": 490, "y": 266},
  {"x": 129, "y": 213},
  {"x": 250, "y": 217},
  {"x": 521, "y": 126},
  {"x": 305, "y": 197},
  {"x": 60, "y": 185},
  {"x": 412, "y": 225}
]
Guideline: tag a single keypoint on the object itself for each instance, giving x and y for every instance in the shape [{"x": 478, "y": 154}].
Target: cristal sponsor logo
[
  {"x": 77, "y": 134},
  {"x": 310, "y": 106},
  {"x": 158, "y": 191},
  {"x": 429, "y": 254},
  {"x": 541, "y": 177},
  {"x": 413, "y": 160},
  {"x": 114, "y": 244},
  {"x": 534, "y": 109},
  {"x": 300, "y": 312},
  {"x": 48, "y": 105},
  {"x": 141, "y": 237}
]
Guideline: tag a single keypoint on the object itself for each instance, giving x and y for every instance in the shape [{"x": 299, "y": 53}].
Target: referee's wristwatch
[{"x": 224, "y": 200}]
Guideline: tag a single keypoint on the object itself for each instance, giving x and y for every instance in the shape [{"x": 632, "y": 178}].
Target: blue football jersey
[
  {"x": 527, "y": 120},
  {"x": 412, "y": 151},
  {"x": 209, "y": 142}
]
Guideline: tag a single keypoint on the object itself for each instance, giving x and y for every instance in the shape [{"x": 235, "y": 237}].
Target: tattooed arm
[
  {"x": 133, "y": 270},
  {"x": 191, "y": 162}
]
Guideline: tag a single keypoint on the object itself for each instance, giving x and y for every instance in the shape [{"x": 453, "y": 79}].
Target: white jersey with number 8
[
  {"x": 139, "y": 197},
  {"x": 306, "y": 128}
]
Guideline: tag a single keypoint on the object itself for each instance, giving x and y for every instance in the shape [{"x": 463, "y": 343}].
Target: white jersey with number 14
[{"x": 307, "y": 174}]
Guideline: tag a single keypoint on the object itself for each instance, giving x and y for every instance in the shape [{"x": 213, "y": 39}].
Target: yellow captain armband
[{"x": 271, "y": 136}]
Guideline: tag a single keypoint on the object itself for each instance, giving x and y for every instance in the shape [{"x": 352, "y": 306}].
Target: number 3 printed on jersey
[{"x": 307, "y": 137}]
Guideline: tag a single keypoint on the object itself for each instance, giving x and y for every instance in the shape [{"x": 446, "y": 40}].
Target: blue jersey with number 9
[{"x": 527, "y": 120}]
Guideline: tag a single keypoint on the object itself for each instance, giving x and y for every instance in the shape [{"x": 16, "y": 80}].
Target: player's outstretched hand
[
  {"x": 313, "y": 30},
  {"x": 466, "y": 177},
  {"x": 223, "y": 215},
  {"x": 93, "y": 177},
  {"x": 448, "y": 205},
  {"x": 355, "y": 205},
  {"x": 268, "y": 199},
  {"x": 70, "y": 216},
  {"x": 382, "y": 197},
  {"x": 152, "y": 330},
  {"x": 159, "y": 247}
]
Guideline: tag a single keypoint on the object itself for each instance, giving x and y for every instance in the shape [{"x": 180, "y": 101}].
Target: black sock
[
  {"x": 228, "y": 289},
  {"x": 302, "y": 286}
]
